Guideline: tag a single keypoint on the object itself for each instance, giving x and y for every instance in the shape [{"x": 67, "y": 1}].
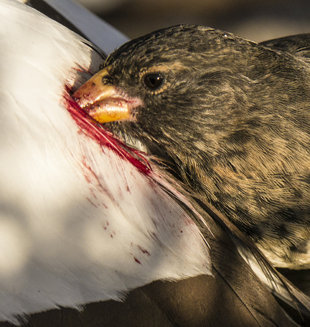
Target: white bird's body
[{"x": 77, "y": 222}]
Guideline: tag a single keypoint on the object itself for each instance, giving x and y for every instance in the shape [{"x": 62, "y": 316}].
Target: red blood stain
[
  {"x": 189, "y": 221},
  {"x": 104, "y": 138},
  {"x": 143, "y": 250},
  {"x": 92, "y": 173},
  {"x": 105, "y": 225},
  {"x": 88, "y": 179},
  {"x": 138, "y": 261},
  {"x": 90, "y": 176},
  {"x": 82, "y": 69},
  {"x": 91, "y": 202}
]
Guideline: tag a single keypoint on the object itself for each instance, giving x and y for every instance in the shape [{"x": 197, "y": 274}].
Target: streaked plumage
[
  {"x": 85, "y": 219},
  {"x": 228, "y": 116}
]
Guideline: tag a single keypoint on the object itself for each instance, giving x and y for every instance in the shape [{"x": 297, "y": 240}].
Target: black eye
[{"x": 153, "y": 81}]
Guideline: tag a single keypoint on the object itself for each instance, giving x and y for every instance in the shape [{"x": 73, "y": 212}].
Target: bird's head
[{"x": 174, "y": 86}]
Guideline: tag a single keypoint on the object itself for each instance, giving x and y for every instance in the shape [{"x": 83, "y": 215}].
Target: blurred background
[{"x": 256, "y": 20}]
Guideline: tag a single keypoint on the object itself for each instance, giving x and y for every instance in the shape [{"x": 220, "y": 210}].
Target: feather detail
[
  {"x": 78, "y": 222},
  {"x": 83, "y": 217},
  {"x": 266, "y": 273}
]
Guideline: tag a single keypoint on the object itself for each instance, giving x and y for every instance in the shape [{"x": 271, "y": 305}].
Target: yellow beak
[{"x": 105, "y": 103}]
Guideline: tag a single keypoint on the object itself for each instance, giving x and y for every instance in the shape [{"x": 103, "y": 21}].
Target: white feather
[{"x": 77, "y": 222}]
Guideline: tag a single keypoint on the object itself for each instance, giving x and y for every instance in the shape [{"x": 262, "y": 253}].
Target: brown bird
[
  {"x": 229, "y": 117},
  {"x": 91, "y": 232}
]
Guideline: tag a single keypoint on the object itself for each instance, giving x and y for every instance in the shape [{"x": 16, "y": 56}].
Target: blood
[
  {"x": 90, "y": 170},
  {"x": 106, "y": 225},
  {"x": 104, "y": 138},
  {"x": 144, "y": 250},
  {"x": 138, "y": 261},
  {"x": 82, "y": 69},
  {"x": 91, "y": 202}
]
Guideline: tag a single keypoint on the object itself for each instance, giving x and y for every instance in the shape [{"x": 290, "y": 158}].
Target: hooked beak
[{"x": 105, "y": 103}]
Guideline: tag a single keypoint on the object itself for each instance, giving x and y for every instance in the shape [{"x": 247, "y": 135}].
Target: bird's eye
[{"x": 153, "y": 81}]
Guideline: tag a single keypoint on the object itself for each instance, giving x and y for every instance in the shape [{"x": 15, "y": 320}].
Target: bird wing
[{"x": 257, "y": 263}]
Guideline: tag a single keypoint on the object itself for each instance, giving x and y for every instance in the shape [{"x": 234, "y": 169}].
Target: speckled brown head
[
  {"x": 230, "y": 117},
  {"x": 164, "y": 77}
]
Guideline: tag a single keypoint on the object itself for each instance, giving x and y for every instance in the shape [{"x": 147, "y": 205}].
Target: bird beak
[{"x": 105, "y": 103}]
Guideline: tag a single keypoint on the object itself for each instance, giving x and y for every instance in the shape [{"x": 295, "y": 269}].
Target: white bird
[{"x": 84, "y": 218}]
